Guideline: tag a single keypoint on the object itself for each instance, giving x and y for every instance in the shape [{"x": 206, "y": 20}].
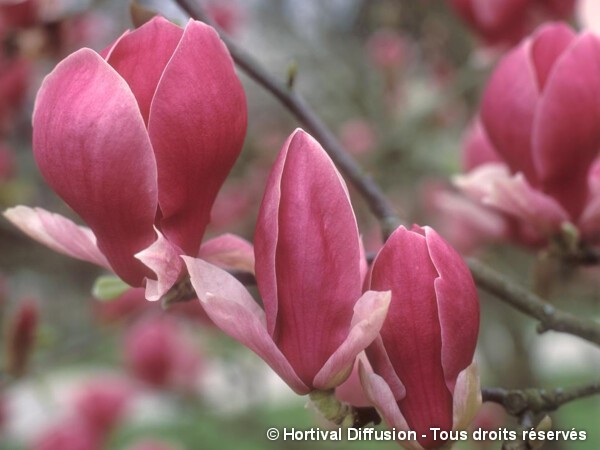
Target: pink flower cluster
[
  {"x": 138, "y": 140},
  {"x": 532, "y": 154}
]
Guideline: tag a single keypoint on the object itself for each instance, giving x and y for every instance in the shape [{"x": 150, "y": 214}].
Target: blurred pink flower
[
  {"x": 388, "y": 49},
  {"x": 15, "y": 76},
  {"x": 532, "y": 156},
  {"x": 158, "y": 352},
  {"x": 102, "y": 403},
  {"x": 21, "y": 337},
  {"x": 228, "y": 15},
  {"x": 506, "y": 22},
  {"x": 358, "y": 136},
  {"x": 75, "y": 434}
]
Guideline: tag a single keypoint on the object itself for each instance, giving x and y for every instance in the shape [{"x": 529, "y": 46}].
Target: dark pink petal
[
  {"x": 234, "y": 311},
  {"x": 197, "y": 126},
  {"x": 458, "y": 307},
  {"x": 369, "y": 313},
  {"x": 566, "y": 135},
  {"x": 163, "y": 258},
  {"x": 266, "y": 236},
  {"x": 230, "y": 252},
  {"x": 412, "y": 333},
  {"x": 141, "y": 56},
  {"x": 508, "y": 108},
  {"x": 317, "y": 260},
  {"x": 91, "y": 145},
  {"x": 548, "y": 45},
  {"x": 58, "y": 233}
]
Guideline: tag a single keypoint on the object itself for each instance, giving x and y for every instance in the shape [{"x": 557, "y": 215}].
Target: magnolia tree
[{"x": 376, "y": 325}]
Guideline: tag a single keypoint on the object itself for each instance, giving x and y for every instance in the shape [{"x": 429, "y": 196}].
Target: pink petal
[
  {"x": 91, "y": 145},
  {"x": 467, "y": 397},
  {"x": 479, "y": 182},
  {"x": 508, "y": 108},
  {"x": 588, "y": 14},
  {"x": 380, "y": 395},
  {"x": 234, "y": 311},
  {"x": 589, "y": 222},
  {"x": 412, "y": 333},
  {"x": 141, "y": 56},
  {"x": 230, "y": 252},
  {"x": 516, "y": 197},
  {"x": 477, "y": 148},
  {"x": 548, "y": 45},
  {"x": 351, "y": 391},
  {"x": 369, "y": 313},
  {"x": 458, "y": 307},
  {"x": 197, "y": 126},
  {"x": 58, "y": 233},
  {"x": 317, "y": 259},
  {"x": 566, "y": 135},
  {"x": 162, "y": 257},
  {"x": 266, "y": 235}
]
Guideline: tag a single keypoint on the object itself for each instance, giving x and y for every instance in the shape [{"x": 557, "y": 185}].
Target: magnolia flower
[
  {"x": 540, "y": 134},
  {"x": 309, "y": 271},
  {"x": 423, "y": 372},
  {"x": 505, "y": 22},
  {"x": 137, "y": 140}
]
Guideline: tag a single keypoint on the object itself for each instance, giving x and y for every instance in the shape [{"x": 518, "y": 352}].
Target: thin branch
[
  {"x": 518, "y": 401},
  {"x": 380, "y": 206},
  {"x": 550, "y": 317}
]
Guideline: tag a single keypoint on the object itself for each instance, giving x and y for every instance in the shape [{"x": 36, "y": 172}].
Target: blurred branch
[
  {"x": 528, "y": 303},
  {"x": 519, "y": 401},
  {"x": 380, "y": 206}
]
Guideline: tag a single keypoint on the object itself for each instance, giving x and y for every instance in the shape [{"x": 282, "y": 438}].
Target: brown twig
[{"x": 550, "y": 317}]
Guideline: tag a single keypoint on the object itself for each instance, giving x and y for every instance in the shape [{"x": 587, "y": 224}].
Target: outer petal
[
  {"x": 566, "y": 135},
  {"x": 516, "y": 197},
  {"x": 229, "y": 251},
  {"x": 477, "y": 148},
  {"x": 467, "y": 397},
  {"x": 91, "y": 146},
  {"x": 478, "y": 183},
  {"x": 380, "y": 395},
  {"x": 458, "y": 307},
  {"x": 412, "y": 333},
  {"x": 548, "y": 45},
  {"x": 369, "y": 313},
  {"x": 195, "y": 154},
  {"x": 508, "y": 108},
  {"x": 141, "y": 55},
  {"x": 163, "y": 259},
  {"x": 58, "y": 233},
  {"x": 317, "y": 260},
  {"x": 234, "y": 311}
]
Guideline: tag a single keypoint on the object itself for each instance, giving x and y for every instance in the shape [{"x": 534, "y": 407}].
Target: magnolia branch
[
  {"x": 550, "y": 317},
  {"x": 518, "y": 401}
]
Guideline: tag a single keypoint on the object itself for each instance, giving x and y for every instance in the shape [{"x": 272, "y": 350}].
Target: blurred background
[{"x": 398, "y": 82}]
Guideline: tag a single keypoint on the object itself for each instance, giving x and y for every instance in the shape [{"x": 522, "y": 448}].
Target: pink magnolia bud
[
  {"x": 103, "y": 403},
  {"x": 423, "y": 372},
  {"x": 308, "y": 271},
  {"x": 545, "y": 129},
  {"x": 137, "y": 140},
  {"x": 73, "y": 434},
  {"x": 158, "y": 353},
  {"x": 20, "y": 337},
  {"x": 505, "y": 22}
]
